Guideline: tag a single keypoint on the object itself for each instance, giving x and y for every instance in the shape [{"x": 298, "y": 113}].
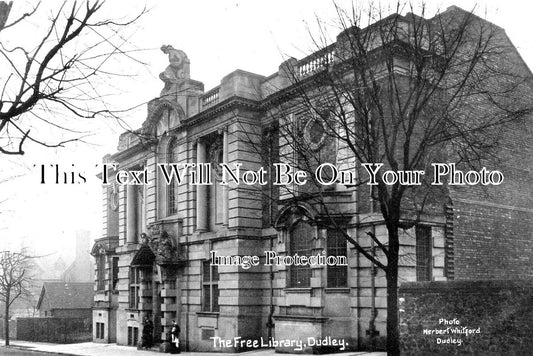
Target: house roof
[{"x": 62, "y": 295}]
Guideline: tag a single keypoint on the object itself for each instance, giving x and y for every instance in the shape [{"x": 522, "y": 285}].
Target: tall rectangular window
[
  {"x": 140, "y": 206},
  {"x": 133, "y": 336},
  {"x": 172, "y": 191},
  {"x": 336, "y": 246},
  {"x": 210, "y": 290},
  {"x": 423, "y": 253},
  {"x": 135, "y": 284},
  {"x": 301, "y": 243},
  {"x": 100, "y": 272},
  {"x": 115, "y": 272},
  {"x": 100, "y": 330}
]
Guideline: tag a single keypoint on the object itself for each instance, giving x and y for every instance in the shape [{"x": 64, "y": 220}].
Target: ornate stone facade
[{"x": 154, "y": 256}]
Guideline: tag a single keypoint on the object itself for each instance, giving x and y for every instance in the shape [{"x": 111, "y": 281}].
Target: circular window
[{"x": 315, "y": 133}]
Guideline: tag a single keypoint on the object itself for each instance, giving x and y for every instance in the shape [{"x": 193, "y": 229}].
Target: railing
[
  {"x": 316, "y": 62},
  {"x": 211, "y": 97}
]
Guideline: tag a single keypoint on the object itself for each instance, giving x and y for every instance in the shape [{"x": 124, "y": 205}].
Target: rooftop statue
[{"x": 177, "y": 70}]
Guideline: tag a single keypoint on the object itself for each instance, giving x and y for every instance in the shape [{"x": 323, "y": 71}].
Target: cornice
[
  {"x": 233, "y": 102},
  {"x": 129, "y": 152}
]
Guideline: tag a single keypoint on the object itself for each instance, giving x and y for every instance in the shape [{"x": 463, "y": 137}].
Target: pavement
[{"x": 97, "y": 349}]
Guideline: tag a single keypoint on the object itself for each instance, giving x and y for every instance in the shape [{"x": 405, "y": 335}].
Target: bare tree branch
[{"x": 61, "y": 73}]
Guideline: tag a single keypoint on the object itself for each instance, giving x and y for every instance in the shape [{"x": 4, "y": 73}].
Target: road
[{"x": 9, "y": 351}]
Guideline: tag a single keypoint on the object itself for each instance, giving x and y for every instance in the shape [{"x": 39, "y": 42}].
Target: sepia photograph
[{"x": 251, "y": 177}]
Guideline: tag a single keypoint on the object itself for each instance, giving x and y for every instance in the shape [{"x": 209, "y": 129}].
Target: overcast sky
[{"x": 218, "y": 36}]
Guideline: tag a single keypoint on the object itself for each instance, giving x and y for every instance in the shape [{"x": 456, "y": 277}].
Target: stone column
[
  {"x": 201, "y": 191},
  {"x": 225, "y": 188},
  {"x": 131, "y": 214}
]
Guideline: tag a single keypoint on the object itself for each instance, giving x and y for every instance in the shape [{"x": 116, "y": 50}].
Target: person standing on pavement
[
  {"x": 147, "y": 337},
  {"x": 174, "y": 338}
]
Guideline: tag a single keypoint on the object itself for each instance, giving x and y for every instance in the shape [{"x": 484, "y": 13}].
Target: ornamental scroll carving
[{"x": 163, "y": 246}]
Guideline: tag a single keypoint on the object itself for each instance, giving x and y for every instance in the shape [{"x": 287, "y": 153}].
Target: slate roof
[{"x": 62, "y": 295}]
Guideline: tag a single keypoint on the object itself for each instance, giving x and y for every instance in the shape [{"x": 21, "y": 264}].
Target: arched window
[
  {"x": 167, "y": 119},
  {"x": 172, "y": 191},
  {"x": 301, "y": 243}
]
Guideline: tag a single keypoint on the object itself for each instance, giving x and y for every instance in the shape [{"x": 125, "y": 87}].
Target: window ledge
[
  {"x": 208, "y": 313},
  {"x": 301, "y": 318},
  {"x": 170, "y": 219},
  {"x": 298, "y": 290},
  {"x": 344, "y": 290}
]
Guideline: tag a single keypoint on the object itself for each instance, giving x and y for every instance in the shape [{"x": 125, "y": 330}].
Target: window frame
[
  {"x": 338, "y": 248},
  {"x": 134, "y": 287},
  {"x": 100, "y": 271},
  {"x": 210, "y": 280},
  {"x": 300, "y": 273},
  {"x": 100, "y": 330},
  {"x": 114, "y": 272},
  {"x": 133, "y": 335},
  {"x": 424, "y": 253},
  {"x": 171, "y": 191}
]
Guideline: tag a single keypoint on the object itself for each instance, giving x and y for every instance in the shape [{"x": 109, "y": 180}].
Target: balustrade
[
  {"x": 316, "y": 62},
  {"x": 211, "y": 97}
]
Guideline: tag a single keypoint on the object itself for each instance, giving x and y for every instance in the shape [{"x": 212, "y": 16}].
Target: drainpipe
[
  {"x": 270, "y": 321},
  {"x": 188, "y": 303},
  {"x": 187, "y": 234}
]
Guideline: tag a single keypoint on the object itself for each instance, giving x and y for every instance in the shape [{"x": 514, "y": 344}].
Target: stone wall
[
  {"x": 496, "y": 315},
  {"x": 56, "y": 330}
]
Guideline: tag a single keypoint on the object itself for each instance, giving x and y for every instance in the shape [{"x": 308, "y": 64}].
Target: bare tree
[
  {"x": 405, "y": 92},
  {"x": 56, "y": 76},
  {"x": 15, "y": 280}
]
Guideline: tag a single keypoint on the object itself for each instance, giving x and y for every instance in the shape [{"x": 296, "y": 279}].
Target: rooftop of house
[{"x": 61, "y": 295}]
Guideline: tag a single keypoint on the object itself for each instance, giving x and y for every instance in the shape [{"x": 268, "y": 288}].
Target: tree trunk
[
  {"x": 6, "y": 318},
  {"x": 393, "y": 333}
]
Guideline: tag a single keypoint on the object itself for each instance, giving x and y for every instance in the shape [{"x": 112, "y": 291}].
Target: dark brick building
[{"x": 66, "y": 300}]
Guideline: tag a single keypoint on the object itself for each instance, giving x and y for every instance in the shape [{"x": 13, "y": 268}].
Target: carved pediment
[
  {"x": 104, "y": 245},
  {"x": 163, "y": 116}
]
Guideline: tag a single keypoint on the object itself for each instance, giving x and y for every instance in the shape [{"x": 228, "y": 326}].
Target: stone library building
[{"x": 196, "y": 231}]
